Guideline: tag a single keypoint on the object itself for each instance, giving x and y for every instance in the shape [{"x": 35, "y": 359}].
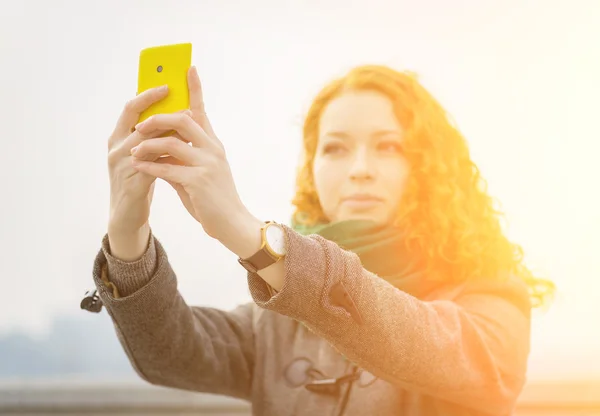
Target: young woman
[{"x": 392, "y": 291}]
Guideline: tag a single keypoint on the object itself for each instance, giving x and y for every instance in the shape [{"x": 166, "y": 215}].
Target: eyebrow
[{"x": 376, "y": 134}]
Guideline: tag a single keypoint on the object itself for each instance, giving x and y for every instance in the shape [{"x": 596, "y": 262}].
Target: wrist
[
  {"x": 128, "y": 245},
  {"x": 243, "y": 235},
  {"x": 244, "y": 239}
]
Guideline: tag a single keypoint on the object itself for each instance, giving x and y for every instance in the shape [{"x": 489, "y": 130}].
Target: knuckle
[
  {"x": 182, "y": 119},
  {"x": 220, "y": 152},
  {"x": 130, "y": 106},
  {"x": 111, "y": 142},
  {"x": 149, "y": 122},
  {"x": 163, "y": 169},
  {"x": 112, "y": 157},
  {"x": 142, "y": 147},
  {"x": 172, "y": 143}
]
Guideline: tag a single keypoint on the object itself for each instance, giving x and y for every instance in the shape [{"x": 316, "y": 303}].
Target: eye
[
  {"x": 390, "y": 147},
  {"x": 333, "y": 148}
]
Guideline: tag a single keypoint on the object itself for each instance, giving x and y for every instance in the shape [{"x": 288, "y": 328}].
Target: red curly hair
[{"x": 450, "y": 218}]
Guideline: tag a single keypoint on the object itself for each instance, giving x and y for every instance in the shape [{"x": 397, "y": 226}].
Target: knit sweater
[{"x": 462, "y": 351}]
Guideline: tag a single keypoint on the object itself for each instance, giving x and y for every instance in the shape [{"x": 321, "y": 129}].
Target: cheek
[
  {"x": 328, "y": 178},
  {"x": 395, "y": 177}
]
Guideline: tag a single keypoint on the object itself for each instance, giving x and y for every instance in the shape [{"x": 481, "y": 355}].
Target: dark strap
[{"x": 258, "y": 261}]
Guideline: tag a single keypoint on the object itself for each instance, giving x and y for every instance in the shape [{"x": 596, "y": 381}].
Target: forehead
[{"x": 359, "y": 111}]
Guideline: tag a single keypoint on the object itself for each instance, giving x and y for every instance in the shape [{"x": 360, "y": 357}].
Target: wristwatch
[{"x": 272, "y": 248}]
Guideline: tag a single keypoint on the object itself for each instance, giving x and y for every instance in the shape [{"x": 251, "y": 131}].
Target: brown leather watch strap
[{"x": 258, "y": 261}]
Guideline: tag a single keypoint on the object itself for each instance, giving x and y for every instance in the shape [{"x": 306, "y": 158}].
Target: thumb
[
  {"x": 146, "y": 183},
  {"x": 197, "y": 102}
]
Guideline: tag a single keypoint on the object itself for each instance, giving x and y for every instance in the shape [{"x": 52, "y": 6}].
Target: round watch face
[{"x": 275, "y": 237}]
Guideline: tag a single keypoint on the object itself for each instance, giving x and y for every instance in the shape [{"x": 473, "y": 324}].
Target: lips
[
  {"x": 362, "y": 197},
  {"x": 362, "y": 202}
]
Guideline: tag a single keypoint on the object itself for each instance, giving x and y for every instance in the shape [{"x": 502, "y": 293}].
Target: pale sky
[{"x": 519, "y": 77}]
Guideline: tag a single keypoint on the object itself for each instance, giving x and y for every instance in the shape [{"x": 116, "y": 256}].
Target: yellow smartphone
[{"x": 165, "y": 65}]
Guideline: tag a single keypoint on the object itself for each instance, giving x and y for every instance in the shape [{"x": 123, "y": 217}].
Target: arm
[
  {"x": 168, "y": 342},
  {"x": 471, "y": 351}
]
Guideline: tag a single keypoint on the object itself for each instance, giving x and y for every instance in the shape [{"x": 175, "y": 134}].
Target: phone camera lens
[{"x": 159, "y": 69}]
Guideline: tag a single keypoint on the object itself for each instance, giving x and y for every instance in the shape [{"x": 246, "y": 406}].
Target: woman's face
[{"x": 359, "y": 168}]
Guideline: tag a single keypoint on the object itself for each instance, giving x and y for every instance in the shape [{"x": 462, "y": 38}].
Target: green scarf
[{"x": 381, "y": 249}]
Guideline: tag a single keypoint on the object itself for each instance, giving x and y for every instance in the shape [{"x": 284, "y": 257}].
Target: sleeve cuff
[
  {"x": 129, "y": 277},
  {"x": 316, "y": 281}
]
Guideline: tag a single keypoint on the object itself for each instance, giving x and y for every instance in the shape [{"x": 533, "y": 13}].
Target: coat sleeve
[
  {"x": 470, "y": 351},
  {"x": 168, "y": 342}
]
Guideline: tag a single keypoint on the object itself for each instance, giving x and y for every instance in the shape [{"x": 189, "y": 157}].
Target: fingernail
[
  {"x": 163, "y": 88},
  {"x": 134, "y": 149}
]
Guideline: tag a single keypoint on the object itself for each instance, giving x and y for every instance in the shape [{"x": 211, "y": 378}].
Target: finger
[
  {"x": 135, "y": 107},
  {"x": 183, "y": 124},
  {"x": 197, "y": 102},
  {"x": 169, "y": 160},
  {"x": 166, "y": 171},
  {"x": 171, "y": 146},
  {"x": 135, "y": 138}
]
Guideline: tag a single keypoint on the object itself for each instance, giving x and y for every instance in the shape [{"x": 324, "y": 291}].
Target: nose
[{"x": 362, "y": 167}]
